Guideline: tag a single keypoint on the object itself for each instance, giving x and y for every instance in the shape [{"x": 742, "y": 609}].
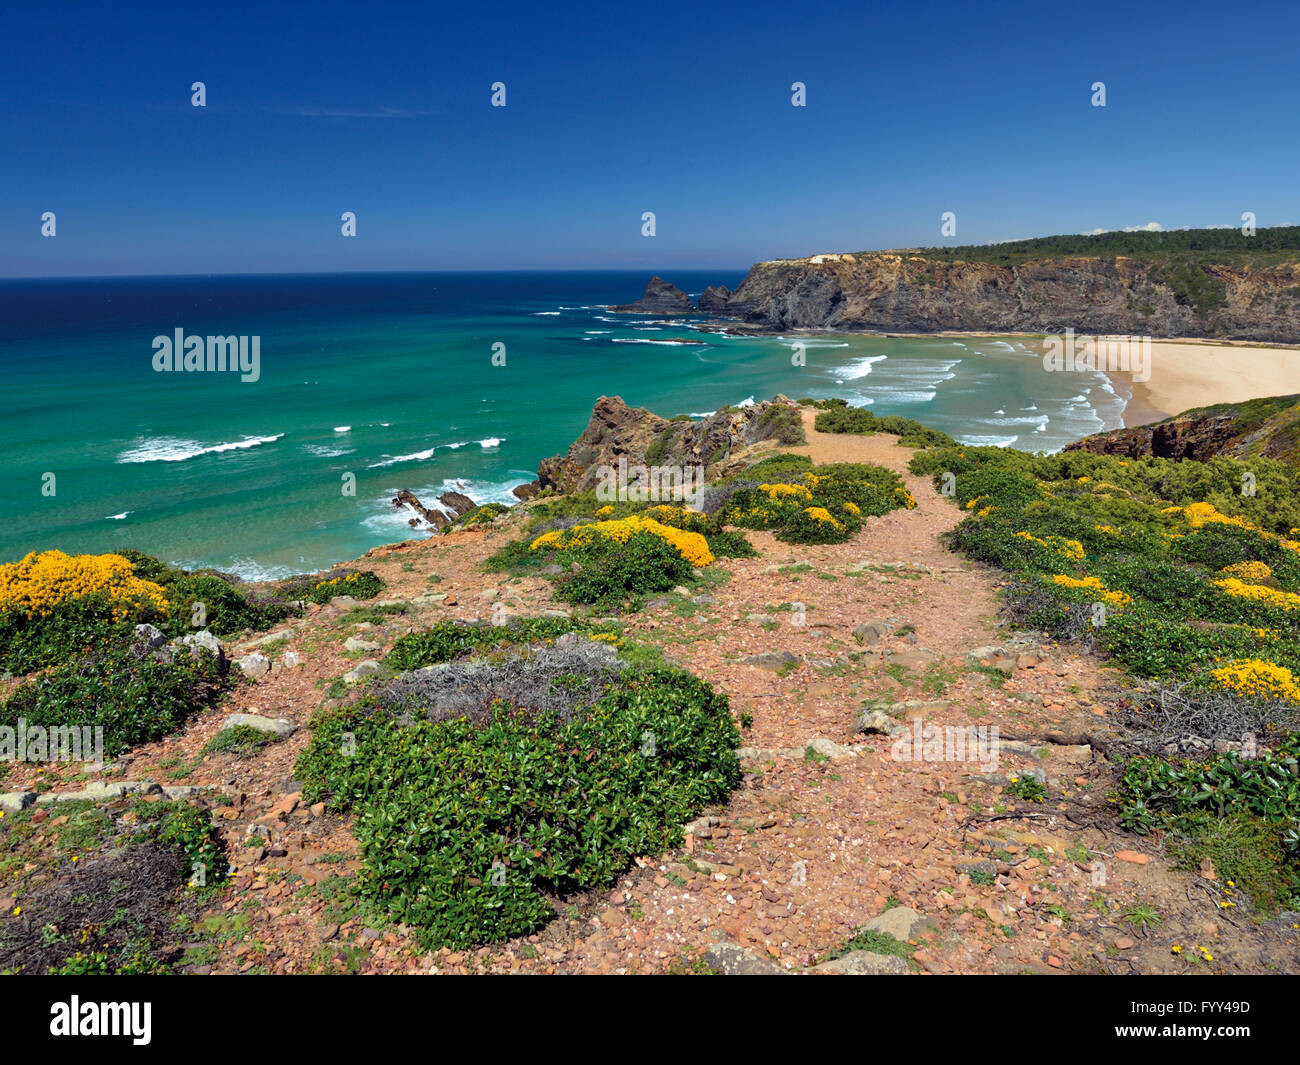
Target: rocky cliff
[
  {"x": 1261, "y": 427},
  {"x": 907, "y": 292},
  {"x": 617, "y": 431}
]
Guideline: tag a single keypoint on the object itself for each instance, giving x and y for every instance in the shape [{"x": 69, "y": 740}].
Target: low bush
[
  {"x": 824, "y": 505},
  {"x": 105, "y": 893},
  {"x": 470, "y": 825},
  {"x": 446, "y": 641},
  {"x": 134, "y": 699}
]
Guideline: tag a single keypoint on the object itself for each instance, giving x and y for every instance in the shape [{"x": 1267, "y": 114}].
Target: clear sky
[{"x": 913, "y": 109}]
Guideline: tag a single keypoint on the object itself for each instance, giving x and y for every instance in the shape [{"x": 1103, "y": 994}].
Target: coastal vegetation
[
  {"x": 1188, "y": 574},
  {"x": 476, "y": 810},
  {"x": 1179, "y": 248}
]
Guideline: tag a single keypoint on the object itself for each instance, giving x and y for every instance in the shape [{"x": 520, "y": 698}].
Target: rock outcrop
[
  {"x": 1269, "y": 428},
  {"x": 660, "y": 297},
  {"x": 713, "y": 300},
  {"x": 907, "y": 292},
  {"x": 452, "y": 503},
  {"x": 617, "y": 431}
]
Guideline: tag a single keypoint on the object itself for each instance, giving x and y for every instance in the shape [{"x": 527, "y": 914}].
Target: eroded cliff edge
[{"x": 914, "y": 293}]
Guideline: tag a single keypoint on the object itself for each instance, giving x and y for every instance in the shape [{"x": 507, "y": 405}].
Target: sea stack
[{"x": 661, "y": 297}]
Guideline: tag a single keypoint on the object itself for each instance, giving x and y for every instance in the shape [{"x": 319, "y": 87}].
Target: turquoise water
[{"x": 390, "y": 379}]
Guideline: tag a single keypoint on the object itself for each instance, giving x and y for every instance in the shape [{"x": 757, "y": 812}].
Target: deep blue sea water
[{"x": 390, "y": 378}]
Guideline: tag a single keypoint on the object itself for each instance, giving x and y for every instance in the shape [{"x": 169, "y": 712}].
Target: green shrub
[
  {"x": 466, "y": 829},
  {"x": 613, "y": 574},
  {"x": 134, "y": 699},
  {"x": 321, "y": 588},
  {"x": 449, "y": 640},
  {"x": 1241, "y": 812},
  {"x": 72, "y": 628},
  {"x": 484, "y": 515},
  {"x": 203, "y": 601}
]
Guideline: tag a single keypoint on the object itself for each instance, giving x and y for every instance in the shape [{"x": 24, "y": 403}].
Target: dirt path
[{"x": 813, "y": 846}]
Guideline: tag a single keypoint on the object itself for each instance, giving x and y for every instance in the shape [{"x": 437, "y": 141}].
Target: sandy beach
[{"x": 1194, "y": 373}]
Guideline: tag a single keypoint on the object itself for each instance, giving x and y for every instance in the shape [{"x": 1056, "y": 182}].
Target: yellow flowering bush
[
  {"x": 824, "y": 505},
  {"x": 1248, "y": 571},
  {"x": 41, "y": 582},
  {"x": 1260, "y": 593},
  {"x": 691, "y": 546},
  {"x": 1115, "y": 600},
  {"x": 1069, "y": 549},
  {"x": 1253, "y": 676}
]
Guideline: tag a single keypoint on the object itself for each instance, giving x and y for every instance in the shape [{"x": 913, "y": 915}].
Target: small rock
[
  {"x": 865, "y": 963},
  {"x": 254, "y": 666},
  {"x": 277, "y": 726},
  {"x": 773, "y": 660},
  {"x": 366, "y": 668},
  {"x": 901, "y": 922},
  {"x": 731, "y": 960}
]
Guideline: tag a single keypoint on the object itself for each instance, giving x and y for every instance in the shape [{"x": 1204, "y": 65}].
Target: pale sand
[{"x": 1189, "y": 373}]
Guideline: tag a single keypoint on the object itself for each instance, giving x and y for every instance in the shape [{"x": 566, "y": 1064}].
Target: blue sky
[{"x": 384, "y": 110}]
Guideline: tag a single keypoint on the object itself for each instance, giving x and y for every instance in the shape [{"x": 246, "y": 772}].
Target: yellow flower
[
  {"x": 1248, "y": 571},
  {"x": 1260, "y": 593},
  {"x": 605, "y": 511},
  {"x": 1253, "y": 676},
  {"x": 40, "y": 582},
  {"x": 823, "y": 516},
  {"x": 779, "y": 492},
  {"x": 690, "y": 545},
  {"x": 1115, "y": 600}
]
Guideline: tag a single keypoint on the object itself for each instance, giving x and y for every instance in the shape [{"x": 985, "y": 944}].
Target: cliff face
[
  {"x": 1269, "y": 428},
  {"x": 898, "y": 291}
]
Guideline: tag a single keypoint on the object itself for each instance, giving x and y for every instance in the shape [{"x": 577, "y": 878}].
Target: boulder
[
  {"x": 149, "y": 638},
  {"x": 773, "y": 660},
  {"x": 254, "y": 666},
  {"x": 277, "y": 726},
  {"x": 457, "y": 502},
  {"x": 366, "y": 668},
  {"x": 421, "y": 516}
]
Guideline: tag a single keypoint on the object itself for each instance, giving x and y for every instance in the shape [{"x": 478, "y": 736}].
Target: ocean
[{"x": 389, "y": 381}]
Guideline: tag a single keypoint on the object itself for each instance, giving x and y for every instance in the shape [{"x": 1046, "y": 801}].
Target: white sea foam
[
  {"x": 343, "y": 428},
  {"x": 322, "y": 451},
  {"x": 117, "y": 517},
  {"x": 857, "y": 368},
  {"x": 486, "y": 443},
  {"x": 175, "y": 449},
  {"x": 647, "y": 340},
  {"x": 987, "y": 441}
]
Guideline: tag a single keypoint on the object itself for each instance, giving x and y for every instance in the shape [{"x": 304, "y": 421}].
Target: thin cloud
[{"x": 352, "y": 112}]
